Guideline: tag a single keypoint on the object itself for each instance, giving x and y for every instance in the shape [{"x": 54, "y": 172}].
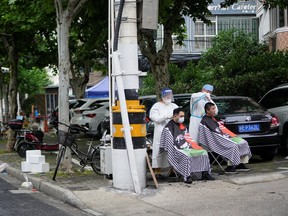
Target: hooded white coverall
[
  {"x": 197, "y": 110},
  {"x": 160, "y": 114}
]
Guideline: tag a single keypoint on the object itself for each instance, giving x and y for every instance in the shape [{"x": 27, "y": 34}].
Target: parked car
[
  {"x": 87, "y": 104},
  {"x": 148, "y": 101},
  {"x": 93, "y": 118},
  {"x": 276, "y": 101},
  {"x": 53, "y": 117},
  {"x": 249, "y": 120}
]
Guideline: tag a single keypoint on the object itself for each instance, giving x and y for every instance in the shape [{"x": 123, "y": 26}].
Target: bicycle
[{"x": 67, "y": 140}]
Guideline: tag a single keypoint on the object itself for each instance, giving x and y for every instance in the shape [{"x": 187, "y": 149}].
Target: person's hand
[
  {"x": 208, "y": 96},
  {"x": 167, "y": 116}
]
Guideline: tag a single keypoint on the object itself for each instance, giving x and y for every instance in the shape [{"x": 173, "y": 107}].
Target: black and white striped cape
[
  {"x": 181, "y": 163},
  {"x": 222, "y": 145}
]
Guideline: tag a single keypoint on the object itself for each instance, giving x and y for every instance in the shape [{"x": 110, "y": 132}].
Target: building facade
[
  {"x": 273, "y": 26},
  {"x": 241, "y": 15}
]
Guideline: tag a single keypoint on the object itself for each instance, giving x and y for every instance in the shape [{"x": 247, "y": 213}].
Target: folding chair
[
  {"x": 171, "y": 170},
  {"x": 215, "y": 158}
]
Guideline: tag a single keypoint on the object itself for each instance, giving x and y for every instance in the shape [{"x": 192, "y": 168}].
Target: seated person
[
  {"x": 223, "y": 142},
  {"x": 38, "y": 133},
  {"x": 183, "y": 154}
]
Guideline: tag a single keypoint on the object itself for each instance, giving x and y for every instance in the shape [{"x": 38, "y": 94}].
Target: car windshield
[{"x": 237, "y": 105}]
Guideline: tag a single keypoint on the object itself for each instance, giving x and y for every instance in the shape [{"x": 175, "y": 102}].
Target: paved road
[{"x": 26, "y": 203}]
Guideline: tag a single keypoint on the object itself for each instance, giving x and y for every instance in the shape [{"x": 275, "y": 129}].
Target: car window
[
  {"x": 181, "y": 101},
  {"x": 72, "y": 104},
  {"x": 237, "y": 105},
  {"x": 276, "y": 98},
  {"x": 79, "y": 104},
  {"x": 97, "y": 104}
]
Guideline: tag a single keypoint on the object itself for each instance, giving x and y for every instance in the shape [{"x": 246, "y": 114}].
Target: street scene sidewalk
[{"x": 95, "y": 193}]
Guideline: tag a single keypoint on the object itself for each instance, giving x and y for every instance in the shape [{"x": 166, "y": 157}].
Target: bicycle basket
[{"x": 65, "y": 138}]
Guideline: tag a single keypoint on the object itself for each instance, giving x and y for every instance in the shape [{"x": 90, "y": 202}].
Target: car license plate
[{"x": 248, "y": 128}]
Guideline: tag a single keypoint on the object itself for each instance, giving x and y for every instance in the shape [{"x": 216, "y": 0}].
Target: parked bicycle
[{"x": 67, "y": 140}]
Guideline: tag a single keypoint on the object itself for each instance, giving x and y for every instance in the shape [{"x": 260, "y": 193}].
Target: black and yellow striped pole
[
  {"x": 123, "y": 176},
  {"x": 129, "y": 126},
  {"x": 136, "y": 114},
  {"x": 128, "y": 130}
]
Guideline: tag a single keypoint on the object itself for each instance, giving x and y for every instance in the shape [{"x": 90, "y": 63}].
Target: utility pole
[{"x": 129, "y": 126}]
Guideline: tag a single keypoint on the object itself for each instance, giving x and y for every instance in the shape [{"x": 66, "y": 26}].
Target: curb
[
  {"x": 48, "y": 188},
  {"x": 258, "y": 178}
]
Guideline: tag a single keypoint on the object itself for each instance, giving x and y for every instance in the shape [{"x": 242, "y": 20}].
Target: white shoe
[{"x": 286, "y": 158}]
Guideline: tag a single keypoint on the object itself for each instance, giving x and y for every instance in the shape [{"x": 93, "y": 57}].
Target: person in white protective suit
[
  {"x": 197, "y": 103},
  {"x": 161, "y": 113}
]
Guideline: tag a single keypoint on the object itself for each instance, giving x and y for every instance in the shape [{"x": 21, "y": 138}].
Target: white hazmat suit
[
  {"x": 160, "y": 114},
  {"x": 197, "y": 103}
]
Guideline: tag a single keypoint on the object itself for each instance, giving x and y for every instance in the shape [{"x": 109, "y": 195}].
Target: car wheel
[{"x": 267, "y": 157}]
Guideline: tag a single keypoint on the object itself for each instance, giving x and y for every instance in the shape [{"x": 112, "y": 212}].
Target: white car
[
  {"x": 85, "y": 104},
  {"x": 93, "y": 118},
  {"x": 276, "y": 101}
]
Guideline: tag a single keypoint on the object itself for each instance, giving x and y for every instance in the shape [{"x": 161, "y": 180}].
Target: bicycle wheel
[
  {"x": 59, "y": 158},
  {"x": 95, "y": 161}
]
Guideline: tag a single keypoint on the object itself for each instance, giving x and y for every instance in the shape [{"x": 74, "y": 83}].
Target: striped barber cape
[
  {"x": 226, "y": 144},
  {"x": 184, "y": 155}
]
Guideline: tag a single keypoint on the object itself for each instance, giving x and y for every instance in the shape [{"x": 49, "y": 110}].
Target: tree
[
  {"x": 171, "y": 17},
  {"x": 18, "y": 27},
  {"x": 238, "y": 64},
  {"x": 171, "y": 14},
  {"x": 31, "y": 82},
  {"x": 88, "y": 44},
  {"x": 66, "y": 12}
]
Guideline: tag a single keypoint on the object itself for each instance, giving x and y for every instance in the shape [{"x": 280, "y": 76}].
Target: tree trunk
[
  {"x": 13, "y": 86},
  {"x": 64, "y": 65},
  {"x": 64, "y": 20},
  {"x": 79, "y": 81},
  {"x": 6, "y": 103},
  {"x": 159, "y": 69},
  {"x": 159, "y": 61}
]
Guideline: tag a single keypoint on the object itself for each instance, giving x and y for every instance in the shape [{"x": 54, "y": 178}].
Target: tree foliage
[
  {"x": 242, "y": 66},
  {"x": 236, "y": 65},
  {"x": 171, "y": 17},
  {"x": 33, "y": 81}
]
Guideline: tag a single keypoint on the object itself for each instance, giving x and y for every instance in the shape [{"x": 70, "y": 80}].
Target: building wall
[
  {"x": 273, "y": 27},
  {"x": 264, "y": 23},
  {"x": 282, "y": 38},
  {"x": 241, "y": 15}
]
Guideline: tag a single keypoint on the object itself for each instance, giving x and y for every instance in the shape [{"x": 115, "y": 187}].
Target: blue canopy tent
[{"x": 100, "y": 90}]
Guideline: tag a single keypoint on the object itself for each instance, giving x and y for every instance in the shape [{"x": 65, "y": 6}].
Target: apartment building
[
  {"x": 273, "y": 26},
  {"x": 241, "y": 15}
]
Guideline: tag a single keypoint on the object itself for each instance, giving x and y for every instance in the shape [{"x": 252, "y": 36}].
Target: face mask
[
  {"x": 181, "y": 120},
  {"x": 167, "y": 101}
]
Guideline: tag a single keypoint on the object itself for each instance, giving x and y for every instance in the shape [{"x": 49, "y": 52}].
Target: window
[
  {"x": 204, "y": 34},
  {"x": 235, "y": 105},
  {"x": 51, "y": 102},
  {"x": 276, "y": 98},
  {"x": 247, "y": 24},
  {"x": 278, "y": 18}
]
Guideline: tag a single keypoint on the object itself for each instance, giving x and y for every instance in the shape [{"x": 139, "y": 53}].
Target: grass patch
[
  {"x": 4, "y": 151},
  {"x": 76, "y": 172}
]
